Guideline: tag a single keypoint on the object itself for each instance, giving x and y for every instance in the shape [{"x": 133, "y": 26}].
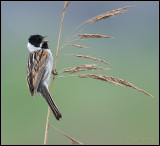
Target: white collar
[{"x": 32, "y": 48}]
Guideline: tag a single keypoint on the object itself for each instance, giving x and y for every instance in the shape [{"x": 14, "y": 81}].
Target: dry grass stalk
[
  {"x": 90, "y": 67},
  {"x": 114, "y": 80},
  {"x": 95, "y": 19},
  {"x": 75, "y": 45},
  {"x": 65, "y": 5},
  {"x": 74, "y": 70},
  {"x": 73, "y": 141},
  {"x": 88, "y": 57},
  {"x": 108, "y": 14},
  {"x": 68, "y": 76},
  {"x": 83, "y": 36},
  {"x": 56, "y": 58},
  {"x": 101, "y": 77},
  {"x": 100, "y": 68},
  {"x": 86, "y": 66}
]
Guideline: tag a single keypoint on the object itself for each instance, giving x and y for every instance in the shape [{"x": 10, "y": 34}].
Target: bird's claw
[{"x": 54, "y": 72}]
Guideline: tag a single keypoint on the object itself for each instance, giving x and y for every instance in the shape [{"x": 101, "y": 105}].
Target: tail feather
[{"x": 44, "y": 92}]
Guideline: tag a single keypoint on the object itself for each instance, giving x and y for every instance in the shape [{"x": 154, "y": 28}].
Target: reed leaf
[
  {"x": 75, "y": 45},
  {"x": 83, "y": 36},
  {"x": 73, "y": 141},
  {"x": 86, "y": 68},
  {"x": 88, "y": 57},
  {"x": 107, "y": 15},
  {"x": 116, "y": 81}
]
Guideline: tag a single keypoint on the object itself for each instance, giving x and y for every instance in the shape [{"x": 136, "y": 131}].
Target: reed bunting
[{"x": 39, "y": 70}]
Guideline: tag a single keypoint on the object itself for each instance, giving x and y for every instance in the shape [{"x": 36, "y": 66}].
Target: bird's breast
[{"x": 48, "y": 68}]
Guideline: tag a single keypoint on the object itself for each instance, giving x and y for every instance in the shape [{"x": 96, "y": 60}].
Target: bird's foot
[{"x": 54, "y": 72}]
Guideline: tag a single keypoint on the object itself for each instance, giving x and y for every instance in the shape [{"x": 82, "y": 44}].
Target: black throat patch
[{"x": 45, "y": 45}]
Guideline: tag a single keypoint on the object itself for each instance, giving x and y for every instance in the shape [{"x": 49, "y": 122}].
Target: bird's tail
[{"x": 45, "y": 93}]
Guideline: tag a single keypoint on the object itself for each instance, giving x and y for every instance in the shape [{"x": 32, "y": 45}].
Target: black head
[{"x": 36, "y": 40}]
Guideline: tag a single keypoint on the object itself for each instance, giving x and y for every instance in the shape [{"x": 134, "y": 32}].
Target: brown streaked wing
[{"x": 35, "y": 69}]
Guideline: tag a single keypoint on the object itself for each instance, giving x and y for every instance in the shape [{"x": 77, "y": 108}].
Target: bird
[{"x": 39, "y": 70}]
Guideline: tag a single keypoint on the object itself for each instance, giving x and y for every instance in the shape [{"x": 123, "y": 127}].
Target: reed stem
[{"x": 56, "y": 59}]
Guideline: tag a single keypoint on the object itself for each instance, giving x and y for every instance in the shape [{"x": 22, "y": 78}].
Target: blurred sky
[{"x": 94, "y": 112}]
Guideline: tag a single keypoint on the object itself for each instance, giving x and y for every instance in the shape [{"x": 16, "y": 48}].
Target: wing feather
[{"x": 35, "y": 69}]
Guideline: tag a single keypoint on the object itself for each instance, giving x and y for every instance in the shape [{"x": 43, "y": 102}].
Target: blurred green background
[{"x": 94, "y": 112}]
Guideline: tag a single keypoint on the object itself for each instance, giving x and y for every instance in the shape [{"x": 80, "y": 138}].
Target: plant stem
[
  {"x": 48, "y": 115},
  {"x": 47, "y": 126}
]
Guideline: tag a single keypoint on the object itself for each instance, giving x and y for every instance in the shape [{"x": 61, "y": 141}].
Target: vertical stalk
[
  {"x": 47, "y": 126},
  {"x": 48, "y": 115}
]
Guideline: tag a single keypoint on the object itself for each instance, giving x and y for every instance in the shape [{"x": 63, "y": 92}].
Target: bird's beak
[{"x": 43, "y": 41}]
